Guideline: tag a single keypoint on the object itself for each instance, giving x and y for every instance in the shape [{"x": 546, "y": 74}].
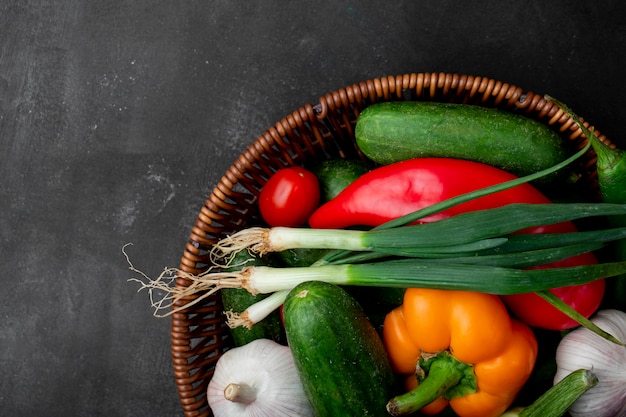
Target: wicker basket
[{"x": 314, "y": 133}]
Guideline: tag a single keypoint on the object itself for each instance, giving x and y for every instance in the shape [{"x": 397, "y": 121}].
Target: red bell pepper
[{"x": 397, "y": 189}]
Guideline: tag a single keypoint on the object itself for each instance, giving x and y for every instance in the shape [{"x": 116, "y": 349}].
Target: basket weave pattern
[{"x": 313, "y": 133}]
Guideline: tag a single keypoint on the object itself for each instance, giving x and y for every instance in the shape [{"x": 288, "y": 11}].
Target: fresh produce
[
  {"x": 209, "y": 282},
  {"x": 394, "y": 190},
  {"x": 582, "y": 348},
  {"x": 470, "y": 233},
  {"x": 257, "y": 312},
  {"x": 235, "y": 300},
  {"x": 610, "y": 165},
  {"x": 289, "y": 197},
  {"x": 396, "y": 131},
  {"x": 300, "y": 256},
  {"x": 466, "y": 347},
  {"x": 336, "y": 174},
  {"x": 431, "y": 229},
  {"x": 556, "y": 400},
  {"x": 399, "y": 273},
  {"x": 340, "y": 358},
  {"x": 256, "y": 380},
  {"x": 611, "y": 170},
  {"x": 536, "y": 311},
  {"x": 409, "y": 272}
]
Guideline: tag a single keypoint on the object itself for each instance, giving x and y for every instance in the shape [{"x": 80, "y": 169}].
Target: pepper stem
[
  {"x": 240, "y": 393},
  {"x": 444, "y": 374}
]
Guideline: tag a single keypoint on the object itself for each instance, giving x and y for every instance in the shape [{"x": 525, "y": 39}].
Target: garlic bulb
[
  {"x": 582, "y": 348},
  {"x": 257, "y": 379}
]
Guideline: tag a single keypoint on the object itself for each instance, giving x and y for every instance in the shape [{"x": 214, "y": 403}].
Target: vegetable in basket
[
  {"x": 339, "y": 355},
  {"x": 395, "y": 273},
  {"x": 611, "y": 170},
  {"x": 255, "y": 380},
  {"x": 336, "y": 174},
  {"x": 395, "y": 131},
  {"x": 235, "y": 300},
  {"x": 289, "y": 197},
  {"x": 260, "y": 310},
  {"x": 582, "y": 348},
  {"x": 394, "y": 190},
  {"x": 391, "y": 191},
  {"x": 467, "y": 350},
  {"x": 556, "y": 400}
]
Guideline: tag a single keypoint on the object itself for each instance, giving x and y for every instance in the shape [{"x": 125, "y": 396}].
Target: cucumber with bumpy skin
[
  {"x": 393, "y": 131},
  {"x": 339, "y": 355},
  {"x": 300, "y": 256},
  {"x": 336, "y": 174}
]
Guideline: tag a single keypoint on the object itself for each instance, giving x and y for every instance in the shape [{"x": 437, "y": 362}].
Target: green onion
[
  {"x": 336, "y": 255},
  {"x": 479, "y": 235},
  {"x": 264, "y": 307},
  {"x": 401, "y": 273},
  {"x": 522, "y": 259},
  {"x": 524, "y": 242},
  {"x": 411, "y": 272},
  {"x": 460, "y": 199},
  {"x": 611, "y": 172},
  {"x": 575, "y": 315},
  {"x": 449, "y": 235},
  {"x": 257, "y": 311}
]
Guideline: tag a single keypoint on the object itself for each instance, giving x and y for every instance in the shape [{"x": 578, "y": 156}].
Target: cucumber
[
  {"x": 300, "y": 256},
  {"x": 339, "y": 355},
  {"x": 376, "y": 302},
  {"x": 237, "y": 300},
  {"x": 336, "y": 174},
  {"x": 393, "y": 131}
]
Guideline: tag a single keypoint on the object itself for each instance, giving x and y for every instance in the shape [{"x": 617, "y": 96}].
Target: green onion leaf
[{"x": 414, "y": 272}]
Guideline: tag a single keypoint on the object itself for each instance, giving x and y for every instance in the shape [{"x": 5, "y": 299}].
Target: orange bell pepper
[{"x": 464, "y": 348}]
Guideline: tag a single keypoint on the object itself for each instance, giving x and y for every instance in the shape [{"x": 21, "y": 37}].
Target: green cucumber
[
  {"x": 376, "y": 302},
  {"x": 300, "y": 256},
  {"x": 393, "y": 131},
  {"x": 339, "y": 355},
  {"x": 238, "y": 299},
  {"x": 336, "y": 174}
]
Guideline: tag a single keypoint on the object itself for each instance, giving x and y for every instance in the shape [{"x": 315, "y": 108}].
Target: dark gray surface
[{"x": 117, "y": 118}]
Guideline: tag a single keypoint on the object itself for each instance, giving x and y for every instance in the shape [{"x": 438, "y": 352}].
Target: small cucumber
[
  {"x": 394, "y": 131},
  {"x": 376, "y": 302},
  {"x": 237, "y": 300},
  {"x": 300, "y": 256},
  {"x": 336, "y": 174},
  {"x": 339, "y": 355}
]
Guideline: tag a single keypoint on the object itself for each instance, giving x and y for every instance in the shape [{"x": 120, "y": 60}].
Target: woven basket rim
[{"x": 198, "y": 335}]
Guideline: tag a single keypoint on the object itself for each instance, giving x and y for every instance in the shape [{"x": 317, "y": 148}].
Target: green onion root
[
  {"x": 401, "y": 273},
  {"x": 257, "y": 311}
]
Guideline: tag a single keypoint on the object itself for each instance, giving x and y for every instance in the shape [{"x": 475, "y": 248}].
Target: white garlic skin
[
  {"x": 582, "y": 348},
  {"x": 266, "y": 366}
]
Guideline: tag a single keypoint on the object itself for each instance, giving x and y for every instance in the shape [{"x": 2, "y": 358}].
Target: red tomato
[{"x": 289, "y": 197}]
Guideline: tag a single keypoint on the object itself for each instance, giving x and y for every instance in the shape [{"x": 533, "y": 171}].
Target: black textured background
[{"x": 117, "y": 118}]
